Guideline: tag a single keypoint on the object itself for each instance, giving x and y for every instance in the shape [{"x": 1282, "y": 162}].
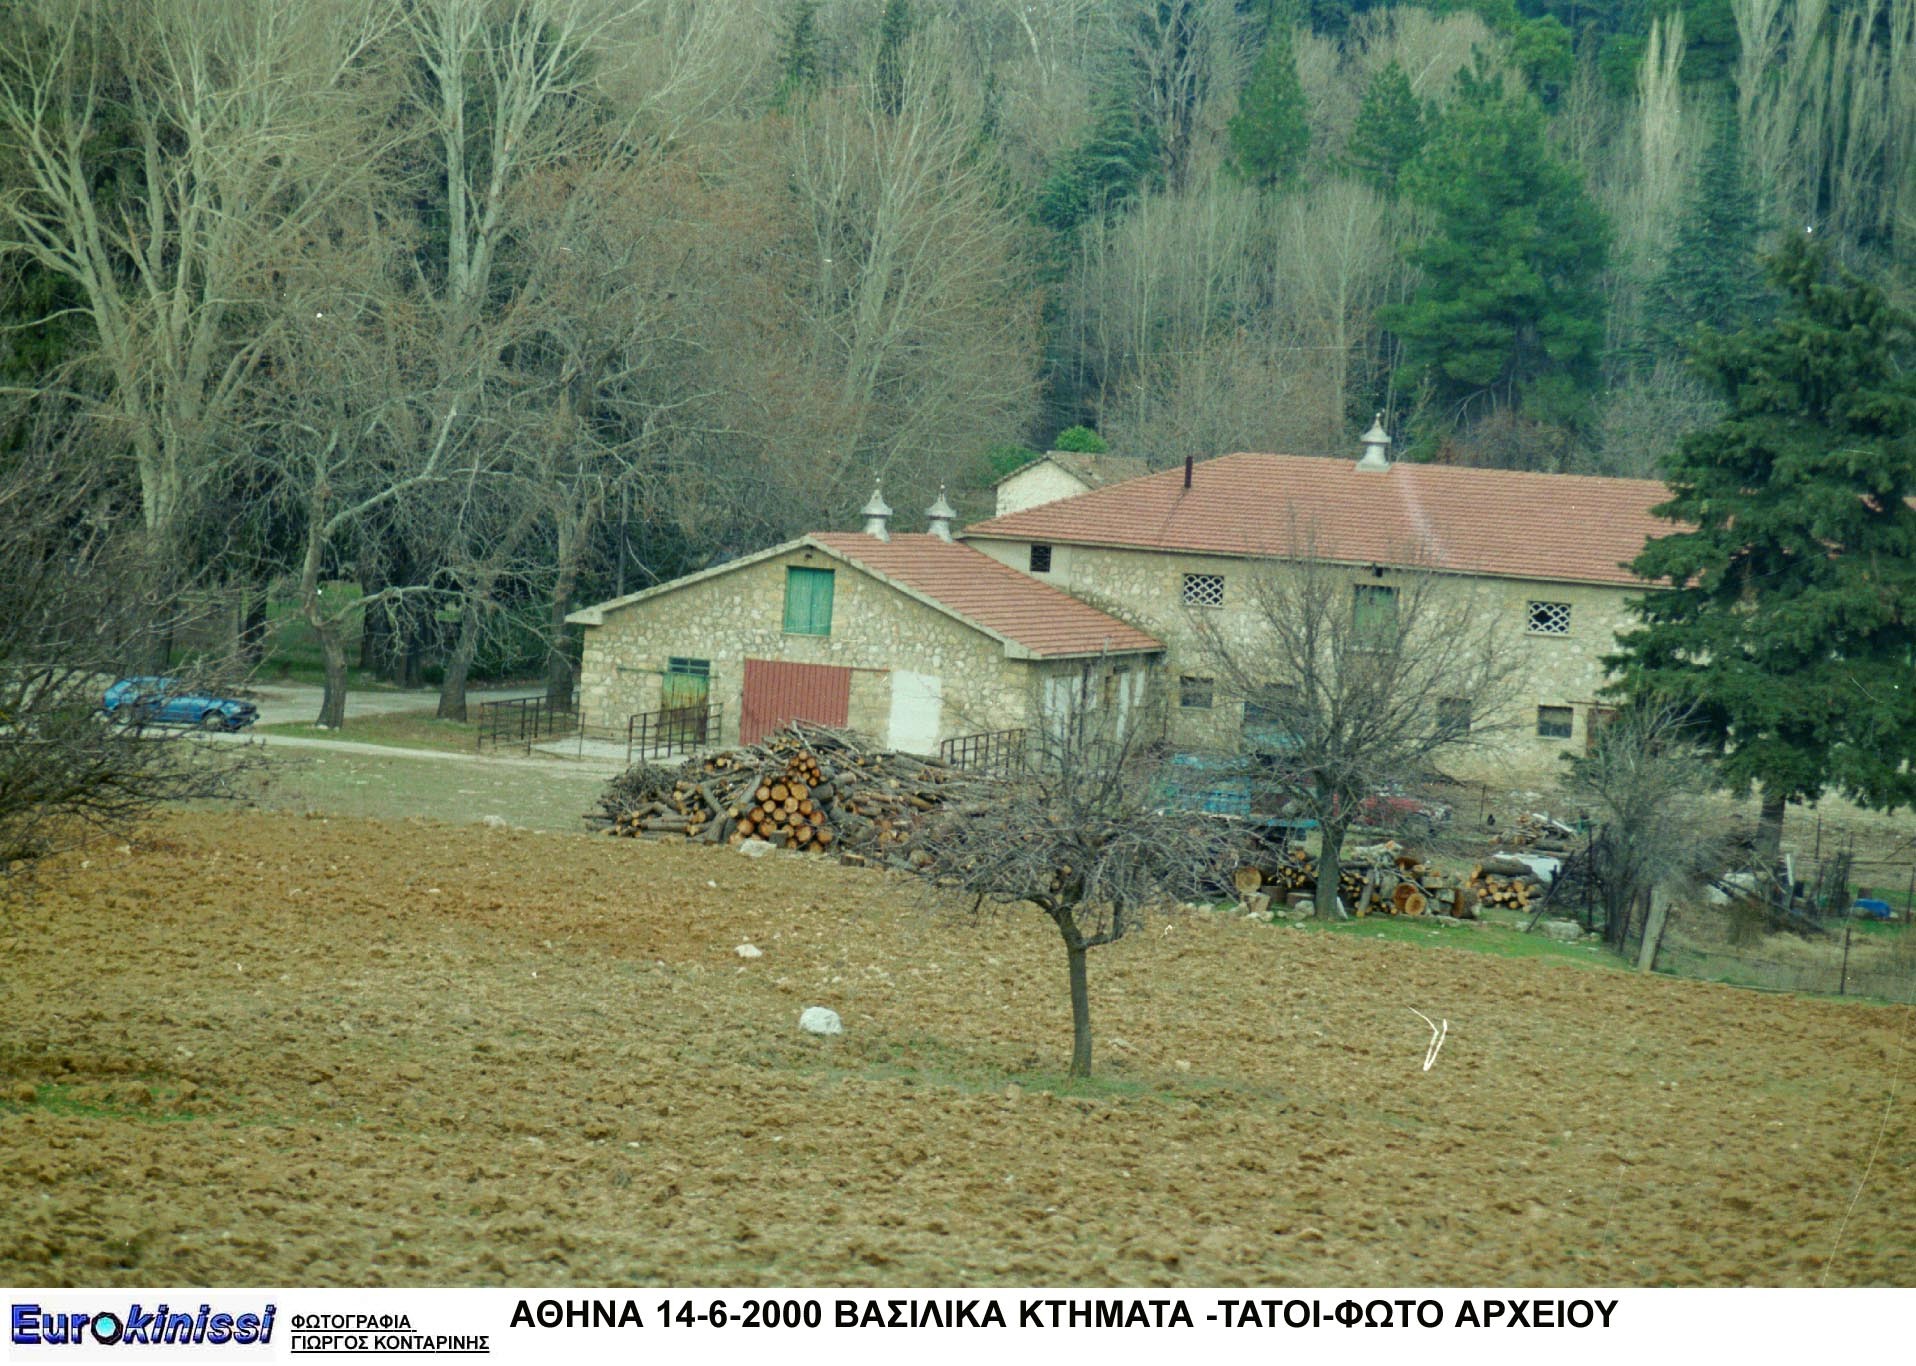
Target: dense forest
[{"x": 495, "y": 306}]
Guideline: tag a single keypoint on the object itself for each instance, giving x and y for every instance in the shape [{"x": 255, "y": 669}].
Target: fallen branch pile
[{"x": 807, "y": 787}]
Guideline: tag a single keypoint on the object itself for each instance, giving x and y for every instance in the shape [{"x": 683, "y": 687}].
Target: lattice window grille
[
  {"x": 1203, "y": 590},
  {"x": 1549, "y": 618}
]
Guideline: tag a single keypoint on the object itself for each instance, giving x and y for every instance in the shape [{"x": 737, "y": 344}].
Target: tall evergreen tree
[
  {"x": 1390, "y": 130},
  {"x": 1270, "y": 133},
  {"x": 801, "y": 64},
  {"x": 1713, "y": 277},
  {"x": 1789, "y": 619},
  {"x": 888, "y": 71},
  {"x": 1508, "y": 309},
  {"x": 1102, "y": 172}
]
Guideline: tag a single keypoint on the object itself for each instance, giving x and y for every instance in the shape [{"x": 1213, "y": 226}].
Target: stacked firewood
[
  {"x": 808, "y": 788},
  {"x": 1508, "y": 883},
  {"x": 1377, "y": 880},
  {"x": 1294, "y": 871},
  {"x": 1537, "y": 830}
]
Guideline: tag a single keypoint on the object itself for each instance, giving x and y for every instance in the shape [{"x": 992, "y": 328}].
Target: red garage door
[{"x": 777, "y": 694}]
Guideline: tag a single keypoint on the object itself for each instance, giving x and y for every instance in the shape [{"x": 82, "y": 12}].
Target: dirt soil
[{"x": 274, "y": 1049}]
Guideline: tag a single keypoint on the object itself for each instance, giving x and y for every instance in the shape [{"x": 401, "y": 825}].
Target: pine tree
[
  {"x": 1790, "y": 616},
  {"x": 1270, "y": 133},
  {"x": 1103, "y": 172},
  {"x": 1389, "y": 132},
  {"x": 801, "y": 65},
  {"x": 1713, "y": 277},
  {"x": 1508, "y": 308},
  {"x": 888, "y": 71}
]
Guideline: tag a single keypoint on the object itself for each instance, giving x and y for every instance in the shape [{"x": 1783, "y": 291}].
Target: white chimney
[
  {"x": 1376, "y": 447},
  {"x": 941, "y": 514},
  {"x": 876, "y": 514}
]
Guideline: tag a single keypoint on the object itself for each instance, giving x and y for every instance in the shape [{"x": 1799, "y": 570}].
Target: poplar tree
[{"x": 1788, "y": 620}]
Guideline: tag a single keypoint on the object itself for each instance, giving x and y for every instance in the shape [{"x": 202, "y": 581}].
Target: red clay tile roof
[
  {"x": 1042, "y": 619},
  {"x": 1567, "y": 528}
]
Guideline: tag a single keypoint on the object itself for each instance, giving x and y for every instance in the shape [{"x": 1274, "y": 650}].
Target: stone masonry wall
[
  {"x": 733, "y": 616},
  {"x": 1146, "y": 588}
]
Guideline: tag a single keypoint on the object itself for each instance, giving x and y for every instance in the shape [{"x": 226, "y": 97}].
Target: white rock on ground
[
  {"x": 755, "y": 848},
  {"x": 1563, "y": 931},
  {"x": 818, "y": 1020},
  {"x": 749, "y": 951}
]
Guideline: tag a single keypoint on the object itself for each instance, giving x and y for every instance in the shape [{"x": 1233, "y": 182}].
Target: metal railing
[
  {"x": 671, "y": 730},
  {"x": 522, "y": 722},
  {"x": 999, "y": 753}
]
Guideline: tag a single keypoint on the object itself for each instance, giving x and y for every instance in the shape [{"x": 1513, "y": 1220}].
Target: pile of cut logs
[
  {"x": 1505, "y": 882},
  {"x": 1377, "y": 879},
  {"x": 808, "y": 788},
  {"x": 1538, "y": 830}
]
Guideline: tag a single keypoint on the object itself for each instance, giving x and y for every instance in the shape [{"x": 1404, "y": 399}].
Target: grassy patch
[
  {"x": 401, "y": 787},
  {"x": 55, "y": 1099},
  {"x": 1501, "y": 940},
  {"x": 401, "y": 729}
]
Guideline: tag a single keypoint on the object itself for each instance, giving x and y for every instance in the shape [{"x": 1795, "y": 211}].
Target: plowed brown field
[{"x": 278, "y": 1050}]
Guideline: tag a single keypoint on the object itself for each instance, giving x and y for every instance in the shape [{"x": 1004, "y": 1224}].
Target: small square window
[
  {"x": 1554, "y": 723},
  {"x": 1041, "y": 559},
  {"x": 1203, "y": 590},
  {"x": 1549, "y": 618},
  {"x": 1194, "y": 694}
]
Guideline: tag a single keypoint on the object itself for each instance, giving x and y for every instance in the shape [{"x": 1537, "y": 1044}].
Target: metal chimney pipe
[{"x": 1187, "y": 471}]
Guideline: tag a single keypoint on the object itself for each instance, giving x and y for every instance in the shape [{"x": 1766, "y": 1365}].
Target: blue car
[{"x": 170, "y": 702}]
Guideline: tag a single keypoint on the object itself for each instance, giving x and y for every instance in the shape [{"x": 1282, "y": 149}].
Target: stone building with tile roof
[
  {"x": 911, "y": 639},
  {"x": 1099, "y": 597},
  {"x": 1063, "y": 474},
  {"x": 1545, "y": 552}
]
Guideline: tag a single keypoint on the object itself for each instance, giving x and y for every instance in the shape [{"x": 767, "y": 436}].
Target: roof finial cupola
[
  {"x": 1376, "y": 447},
  {"x": 877, "y": 515},
  {"x": 940, "y": 514}
]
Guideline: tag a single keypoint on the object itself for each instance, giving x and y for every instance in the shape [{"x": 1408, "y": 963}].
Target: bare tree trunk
[
  {"x": 1769, "y": 827},
  {"x": 561, "y": 677},
  {"x": 1653, "y": 931},
  {"x": 332, "y": 651},
  {"x": 254, "y": 627},
  {"x": 1080, "y": 1007},
  {"x": 1329, "y": 868},
  {"x": 452, "y": 691}
]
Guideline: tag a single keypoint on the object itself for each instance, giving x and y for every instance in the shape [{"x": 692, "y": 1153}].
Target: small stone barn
[
  {"x": 1063, "y": 474},
  {"x": 911, "y": 639}
]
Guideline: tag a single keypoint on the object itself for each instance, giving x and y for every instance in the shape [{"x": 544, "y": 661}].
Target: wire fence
[{"x": 1818, "y": 927}]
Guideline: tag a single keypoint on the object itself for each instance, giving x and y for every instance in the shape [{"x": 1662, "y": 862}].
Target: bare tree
[
  {"x": 918, "y": 317},
  {"x": 1190, "y": 58},
  {"x": 1081, "y": 835},
  {"x": 354, "y": 452},
  {"x": 1356, "y": 679},
  {"x": 81, "y": 595},
  {"x": 171, "y": 154},
  {"x": 1647, "y": 785}
]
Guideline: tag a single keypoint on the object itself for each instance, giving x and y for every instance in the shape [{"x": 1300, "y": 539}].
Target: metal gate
[{"x": 777, "y": 694}]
